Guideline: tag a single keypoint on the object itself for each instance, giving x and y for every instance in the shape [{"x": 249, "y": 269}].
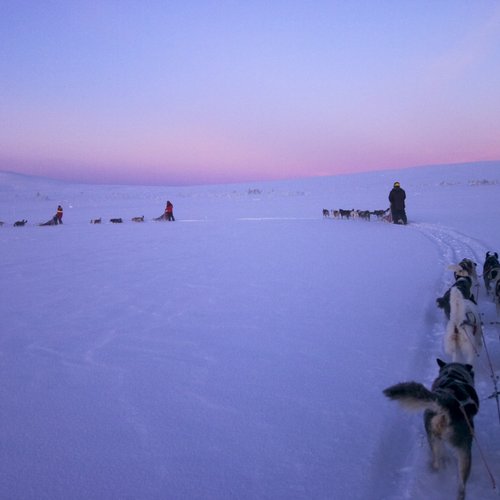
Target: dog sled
[
  {"x": 388, "y": 218},
  {"x": 50, "y": 222},
  {"x": 164, "y": 217}
]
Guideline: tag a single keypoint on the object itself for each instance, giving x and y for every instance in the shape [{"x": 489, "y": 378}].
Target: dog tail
[
  {"x": 457, "y": 306},
  {"x": 413, "y": 396}
]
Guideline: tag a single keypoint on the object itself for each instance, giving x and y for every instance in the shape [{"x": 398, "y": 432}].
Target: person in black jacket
[{"x": 397, "y": 197}]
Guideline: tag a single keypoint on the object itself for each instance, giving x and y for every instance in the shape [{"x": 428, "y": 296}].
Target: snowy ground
[{"x": 241, "y": 351}]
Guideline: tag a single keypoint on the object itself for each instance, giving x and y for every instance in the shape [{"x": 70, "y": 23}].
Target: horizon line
[{"x": 65, "y": 180}]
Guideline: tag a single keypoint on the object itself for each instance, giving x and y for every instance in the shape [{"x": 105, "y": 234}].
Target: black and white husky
[
  {"x": 495, "y": 291},
  {"x": 491, "y": 276},
  {"x": 466, "y": 267},
  {"x": 464, "y": 284},
  {"x": 449, "y": 407},
  {"x": 463, "y": 337},
  {"x": 491, "y": 269}
]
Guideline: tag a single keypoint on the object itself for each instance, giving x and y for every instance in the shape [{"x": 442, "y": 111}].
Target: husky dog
[
  {"x": 380, "y": 214},
  {"x": 464, "y": 284},
  {"x": 138, "y": 219},
  {"x": 326, "y": 212},
  {"x": 96, "y": 221},
  {"x": 20, "y": 223},
  {"x": 364, "y": 214},
  {"x": 463, "y": 337},
  {"x": 466, "y": 267},
  {"x": 496, "y": 295},
  {"x": 491, "y": 269},
  {"x": 116, "y": 221},
  {"x": 449, "y": 407}
]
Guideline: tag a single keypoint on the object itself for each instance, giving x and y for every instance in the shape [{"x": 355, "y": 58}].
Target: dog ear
[{"x": 440, "y": 362}]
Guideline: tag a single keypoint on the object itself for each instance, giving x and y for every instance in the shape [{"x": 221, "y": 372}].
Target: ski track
[{"x": 452, "y": 247}]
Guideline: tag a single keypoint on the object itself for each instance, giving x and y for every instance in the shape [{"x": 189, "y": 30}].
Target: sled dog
[
  {"x": 116, "y": 220},
  {"x": 380, "y": 214},
  {"x": 496, "y": 295},
  {"x": 138, "y": 219},
  {"x": 20, "y": 223},
  {"x": 449, "y": 407},
  {"x": 464, "y": 284},
  {"x": 491, "y": 268},
  {"x": 463, "y": 337},
  {"x": 466, "y": 267}
]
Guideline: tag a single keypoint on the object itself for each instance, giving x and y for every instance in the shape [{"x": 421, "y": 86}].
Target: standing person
[
  {"x": 59, "y": 215},
  {"x": 169, "y": 211},
  {"x": 397, "y": 197}
]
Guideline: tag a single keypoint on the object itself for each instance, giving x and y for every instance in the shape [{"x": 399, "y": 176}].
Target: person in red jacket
[
  {"x": 169, "y": 211},
  {"x": 59, "y": 215}
]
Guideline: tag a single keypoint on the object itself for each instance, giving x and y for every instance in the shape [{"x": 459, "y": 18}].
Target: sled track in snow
[{"x": 453, "y": 245}]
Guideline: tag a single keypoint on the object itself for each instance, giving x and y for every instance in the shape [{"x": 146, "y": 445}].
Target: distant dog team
[
  {"x": 354, "y": 214},
  {"x": 57, "y": 219}
]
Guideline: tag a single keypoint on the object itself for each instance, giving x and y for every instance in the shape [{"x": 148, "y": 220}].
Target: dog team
[
  {"x": 355, "y": 214},
  {"x": 396, "y": 213},
  {"x": 452, "y": 402},
  {"x": 168, "y": 215}
]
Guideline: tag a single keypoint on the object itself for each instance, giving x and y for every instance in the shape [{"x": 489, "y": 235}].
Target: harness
[
  {"x": 470, "y": 320},
  {"x": 463, "y": 393}
]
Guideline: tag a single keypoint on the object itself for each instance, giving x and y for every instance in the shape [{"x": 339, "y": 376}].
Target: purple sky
[{"x": 189, "y": 92}]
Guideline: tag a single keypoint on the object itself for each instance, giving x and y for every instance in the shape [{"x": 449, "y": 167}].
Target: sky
[{"x": 197, "y": 92}]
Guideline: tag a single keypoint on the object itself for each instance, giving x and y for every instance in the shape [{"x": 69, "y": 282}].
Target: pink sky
[{"x": 202, "y": 92}]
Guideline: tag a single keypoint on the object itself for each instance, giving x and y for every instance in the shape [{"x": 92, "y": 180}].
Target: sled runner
[{"x": 387, "y": 218}]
